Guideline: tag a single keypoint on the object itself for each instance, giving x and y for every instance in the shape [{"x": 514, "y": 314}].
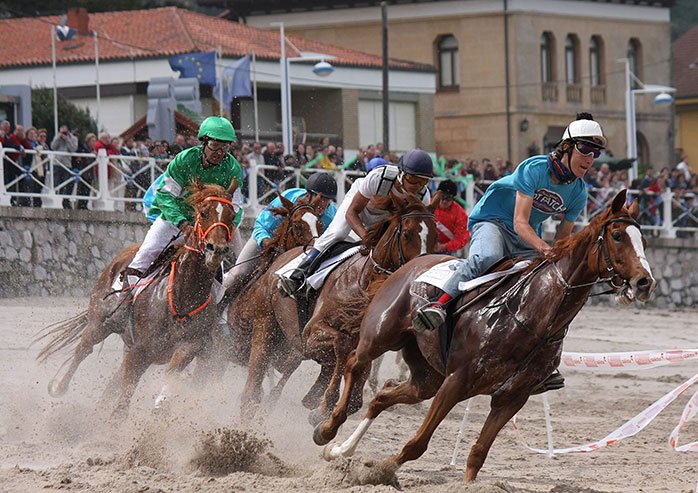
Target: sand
[{"x": 64, "y": 444}]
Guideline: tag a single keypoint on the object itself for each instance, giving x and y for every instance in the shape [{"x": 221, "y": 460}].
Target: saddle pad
[
  {"x": 317, "y": 279},
  {"x": 440, "y": 273}
]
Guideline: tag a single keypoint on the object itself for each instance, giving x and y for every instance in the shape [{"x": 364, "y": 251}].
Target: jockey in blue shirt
[{"x": 266, "y": 223}]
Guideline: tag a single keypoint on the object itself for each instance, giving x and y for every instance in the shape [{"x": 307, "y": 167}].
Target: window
[
  {"x": 546, "y": 57},
  {"x": 635, "y": 59},
  {"x": 403, "y": 124},
  {"x": 596, "y": 74},
  {"x": 571, "y": 59},
  {"x": 447, "y": 61}
]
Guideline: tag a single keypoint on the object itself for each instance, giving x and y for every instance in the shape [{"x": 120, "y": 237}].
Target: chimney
[{"x": 79, "y": 20}]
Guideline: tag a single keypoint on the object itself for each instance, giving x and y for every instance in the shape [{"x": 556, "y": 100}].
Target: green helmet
[{"x": 217, "y": 127}]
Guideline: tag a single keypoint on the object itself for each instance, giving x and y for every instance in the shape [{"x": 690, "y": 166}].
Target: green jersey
[{"x": 170, "y": 200}]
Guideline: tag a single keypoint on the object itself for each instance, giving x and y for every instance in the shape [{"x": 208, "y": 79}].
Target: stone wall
[{"x": 47, "y": 252}]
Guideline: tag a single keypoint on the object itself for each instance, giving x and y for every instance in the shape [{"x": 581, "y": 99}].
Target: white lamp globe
[
  {"x": 663, "y": 98},
  {"x": 323, "y": 69}
]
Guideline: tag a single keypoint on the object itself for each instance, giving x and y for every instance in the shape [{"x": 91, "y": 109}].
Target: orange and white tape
[{"x": 636, "y": 360}]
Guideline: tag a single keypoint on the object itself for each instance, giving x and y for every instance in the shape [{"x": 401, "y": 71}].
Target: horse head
[
  {"x": 213, "y": 229},
  {"x": 301, "y": 223},
  {"x": 409, "y": 232},
  {"x": 619, "y": 252}
]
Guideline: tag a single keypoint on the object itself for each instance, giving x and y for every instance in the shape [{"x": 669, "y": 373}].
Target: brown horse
[
  {"x": 332, "y": 330},
  {"x": 504, "y": 343},
  {"x": 171, "y": 318}
]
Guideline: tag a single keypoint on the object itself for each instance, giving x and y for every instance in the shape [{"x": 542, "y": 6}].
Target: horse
[
  {"x": 506, "y": 337},
  {"x": 332, "y": 329},
  {"x": 170, "y": 320}
]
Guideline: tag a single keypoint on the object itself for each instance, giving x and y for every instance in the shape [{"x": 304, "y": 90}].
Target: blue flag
[
  {"x": 201, "y": 65},
  {"x": 64, "y": 33},
  {"x": 236, "y": 81}
]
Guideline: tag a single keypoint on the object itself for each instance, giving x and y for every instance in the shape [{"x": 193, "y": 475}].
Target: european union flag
[
  {"x": 201, "y": 65},
  {"x": 236, "y": 81}
]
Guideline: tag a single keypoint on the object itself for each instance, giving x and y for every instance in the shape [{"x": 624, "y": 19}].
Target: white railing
[{"x": 116, "y": 183}]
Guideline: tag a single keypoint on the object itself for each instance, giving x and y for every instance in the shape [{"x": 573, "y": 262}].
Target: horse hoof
[
  {"x": 317, "y": 436},
  {"x": 55, "y": 389},
  {"x": 328, "y": 452}
]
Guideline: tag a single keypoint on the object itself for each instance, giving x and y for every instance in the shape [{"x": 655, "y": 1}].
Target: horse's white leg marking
[
  {"x": 347, "y": 448},
  {"x": 423, "y": 233},
  {"x": 311, "y": 220},
  {"x": 162, "y": 396}
]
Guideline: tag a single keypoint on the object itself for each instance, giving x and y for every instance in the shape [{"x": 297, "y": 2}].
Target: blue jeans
[{"x": 489, "y": 242}]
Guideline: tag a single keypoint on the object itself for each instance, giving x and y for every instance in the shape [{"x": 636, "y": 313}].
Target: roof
[
  {"x": 686, "y": 64},
  {"x": 162, "y": 32},
  {"x": 139, "y": 129}
]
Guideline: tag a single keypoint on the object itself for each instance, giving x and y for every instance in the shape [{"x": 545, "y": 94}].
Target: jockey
[
  {"x": 266, "y": 223},
  {"x": 451, "y": 220},
  {"x": 506, "y": 221},
  {"x": 357, "y": 212},
  {"x": 209, "y": 163}
]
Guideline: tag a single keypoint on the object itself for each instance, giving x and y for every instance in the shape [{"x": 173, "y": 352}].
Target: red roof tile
[
  {"x": 685, "y": 64},
  {"x": 159, "y": 33}
]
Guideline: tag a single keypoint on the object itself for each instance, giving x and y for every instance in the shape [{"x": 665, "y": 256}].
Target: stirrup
[
  {"x": 555, "y": 381},
  {"x": 429, "y": 317},
  {"x": 288, "y": 287}
]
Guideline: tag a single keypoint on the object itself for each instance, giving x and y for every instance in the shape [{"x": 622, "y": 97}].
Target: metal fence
[{"x": 116, "y": 183}]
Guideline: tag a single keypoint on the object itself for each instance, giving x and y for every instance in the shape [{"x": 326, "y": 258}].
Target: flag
[
  {"x": 236, "y": 81},
  {"x": 64, "y": 33},
  {"x": 201, "y": 65}
]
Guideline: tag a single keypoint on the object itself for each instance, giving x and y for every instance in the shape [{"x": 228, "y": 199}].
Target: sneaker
[
  {"x": 429, "y": 317},
  {"x": 554, "y": 382}
]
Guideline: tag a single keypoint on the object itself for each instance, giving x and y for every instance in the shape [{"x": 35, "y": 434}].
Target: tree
[{"x": 68, "y": 113}]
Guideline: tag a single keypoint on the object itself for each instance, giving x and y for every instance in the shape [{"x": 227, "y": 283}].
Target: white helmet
[{"x": 581, "y": 129}]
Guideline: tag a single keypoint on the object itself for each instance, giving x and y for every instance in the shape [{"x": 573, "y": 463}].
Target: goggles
[
  {"x": 217, "y": 145},
  {"x": 587, "y": 148},
  {"x": 416, "y": 180}
]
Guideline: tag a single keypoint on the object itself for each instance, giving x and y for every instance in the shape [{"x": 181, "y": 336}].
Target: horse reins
[
  {"x": 398, "y": 234},
  {"x": 201, "y": 234}
]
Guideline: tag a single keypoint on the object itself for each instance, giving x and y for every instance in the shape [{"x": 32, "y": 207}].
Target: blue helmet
[
  {"x": 417, "y": 162},
  {"x": 376, "y": 162}
]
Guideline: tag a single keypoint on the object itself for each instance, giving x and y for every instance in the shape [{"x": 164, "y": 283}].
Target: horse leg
[
  {"x": 314, "y": 395},
  {"x": 402, "y": 367},
  {"x": 183, "y": 355},
  {"x": 342, "y": 347},
  {"x": 94, "y": 333},
  {"x": 291, "y": 363},
  {"x": 375, "y": 371},
  {"x": 257, "y": 368},
  {"x": 502, "y": 409},
  {"x": 133, "y": 366}
]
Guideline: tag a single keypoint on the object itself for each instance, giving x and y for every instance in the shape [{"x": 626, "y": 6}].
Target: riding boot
[
  {"x": 555, "y": 381},
  {"x": 432, "y": 315},
  {"x": 288, "y": 286}
]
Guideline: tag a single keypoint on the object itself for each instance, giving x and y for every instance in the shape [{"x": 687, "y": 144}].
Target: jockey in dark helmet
[
  {"x": 357, "y": 212},
  {"x": 265, "y": 225},
  {"x": 209, "y": 163},
  {"x": 506, "y": 220}
]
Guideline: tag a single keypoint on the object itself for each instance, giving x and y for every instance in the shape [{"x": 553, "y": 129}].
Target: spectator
[
  {"x": 340, "y": 156},
  {"x": 309, "y": 154},
  {"x": 256, "y": 157},
  {"x": 26, "y": 183},
  {"x": 36, "y": 166},
  {"x": 327, "y": 161},
  {"x": 300, "y": 154},
  {"x": 85, "y": 167},
  {"x": 192, "y": 141},
  {"x": 64, "y": 141},
  {"x": 179, "y": 145},
  {"x": 451, "y": 221},
  {"x": 131, "y": 168},
  {"x": 684, "y": 167}
]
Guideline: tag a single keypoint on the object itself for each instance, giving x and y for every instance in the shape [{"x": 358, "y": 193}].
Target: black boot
[
  {"x": 555, "y": 381},
  {"x": 288, "y": 286}
]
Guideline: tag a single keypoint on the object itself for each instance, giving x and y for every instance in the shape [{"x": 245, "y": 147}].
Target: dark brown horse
[
  {"x": 504, "y": 343},
  {"x": 332, "y": 330},
  {"x": 172, "y": 317}
]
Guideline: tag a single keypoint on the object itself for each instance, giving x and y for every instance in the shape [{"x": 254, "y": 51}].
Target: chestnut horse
[
  {"x": 505, "y": 342},
  {"x": 171, "y": 319},
  {"x": 332, "y": 330}
]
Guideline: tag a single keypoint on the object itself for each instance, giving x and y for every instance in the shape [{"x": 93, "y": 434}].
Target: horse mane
[
  {"x": 200, "y": 191},
  {"x": 566, "y": 246},
  {"x": 397, "y": 205}
]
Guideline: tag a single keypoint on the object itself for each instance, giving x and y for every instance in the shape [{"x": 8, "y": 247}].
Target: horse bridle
[
  {"x": 201, "y": 234},
  {"x": 603, "y": 250},
  {"x": 398, "y": 234},
  {"x": 293, "y": 210}
]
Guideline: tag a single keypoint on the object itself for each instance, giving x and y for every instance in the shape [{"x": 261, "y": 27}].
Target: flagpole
[
  {"x": 254, "y": 83},
  {"x": 99, "y": 101},
  {"x": 219, "y": 54},
  {"x": 55, "y": 90}
]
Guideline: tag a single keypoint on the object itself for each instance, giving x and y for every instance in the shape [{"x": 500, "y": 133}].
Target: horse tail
[{"x": 63, "y": 334}]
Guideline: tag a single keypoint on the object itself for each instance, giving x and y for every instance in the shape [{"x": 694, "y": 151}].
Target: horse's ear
[
  {"x": 634, "y": 209},
  {"x": 434, "y": 202},
  {"x": 319, "y": 205},
  {"x": 233, "y": 185},
  {"x": 618, "y": 201},
  {"x": 285, "y": 202}
]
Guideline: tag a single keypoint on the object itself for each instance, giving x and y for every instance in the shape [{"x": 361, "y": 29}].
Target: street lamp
[
  {"x": 664, "y": 96},
  {"x": 322, "y": 68}
]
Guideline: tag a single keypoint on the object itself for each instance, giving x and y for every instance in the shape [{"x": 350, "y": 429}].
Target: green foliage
[
  {"x": 684, "y": 15},
  {"x": 68, "y": 113}
]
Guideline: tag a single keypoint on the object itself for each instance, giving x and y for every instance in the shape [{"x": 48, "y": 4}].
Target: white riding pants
[{"x": 155, "y": 241}]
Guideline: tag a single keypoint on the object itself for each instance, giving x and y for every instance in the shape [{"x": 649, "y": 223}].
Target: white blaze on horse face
[
  {"x": 636, "y": 240},
  {"x": 423, "y": 235},
  {"x": 219, "y": 210},
  {"x": 311, "y": 221}
]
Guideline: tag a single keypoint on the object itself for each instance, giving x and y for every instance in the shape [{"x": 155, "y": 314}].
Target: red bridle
[{"x": 199, "y": 231}]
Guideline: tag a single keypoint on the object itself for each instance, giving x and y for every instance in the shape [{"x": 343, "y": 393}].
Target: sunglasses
[
  {"x": 416, "y": 180},
  {"x": 587, "y": 149},
  {"x": 216, "y": 145}
]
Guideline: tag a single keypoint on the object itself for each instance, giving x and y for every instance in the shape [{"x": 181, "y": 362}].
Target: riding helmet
[
  {"x": 322, "y": 184},
  {"x": 448, "y": 187},
  {"x": 417, "y": 162},
  {"x": 584, "y": 128},
  {"x": 217, "y": 128},
  {"x": 376, "y": 162}
]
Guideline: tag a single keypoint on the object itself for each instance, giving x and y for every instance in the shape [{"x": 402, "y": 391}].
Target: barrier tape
[{"x": 636, "y": 360}]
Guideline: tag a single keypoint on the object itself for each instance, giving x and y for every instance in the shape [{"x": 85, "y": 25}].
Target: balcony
[
  {"x": 574, "y": 93},
  {"x": 598, "y": 94},
  {"x": 550, "y": 91}
]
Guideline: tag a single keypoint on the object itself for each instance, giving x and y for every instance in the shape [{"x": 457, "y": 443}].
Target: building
[
  {"x": 686, "y": 82},
  {"x": 511, "y": 73},
  {"x": 134, "y": 46}
]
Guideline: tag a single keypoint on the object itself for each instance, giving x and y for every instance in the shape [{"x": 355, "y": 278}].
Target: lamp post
[
  {"x": 663, "y": 97},
  {"x": 322, "y": 68}
]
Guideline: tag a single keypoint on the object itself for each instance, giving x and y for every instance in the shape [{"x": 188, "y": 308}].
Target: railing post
[
  {"x": 51, "y": 201},
  {"x": 668, "y": 230},
  {"x": 252, "y": 199},
  {"x": 469, "y": 193},
  {"x": 4, "y": 196},
  {"x": 104, "y": 202},
  {"x": 340, "y": 177}
]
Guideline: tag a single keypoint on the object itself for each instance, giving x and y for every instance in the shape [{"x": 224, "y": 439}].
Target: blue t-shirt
[
  {"x": 532, "y": 178},
  {"x": 266, "y": 223},
  {"x": 149, "y": 197}
]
